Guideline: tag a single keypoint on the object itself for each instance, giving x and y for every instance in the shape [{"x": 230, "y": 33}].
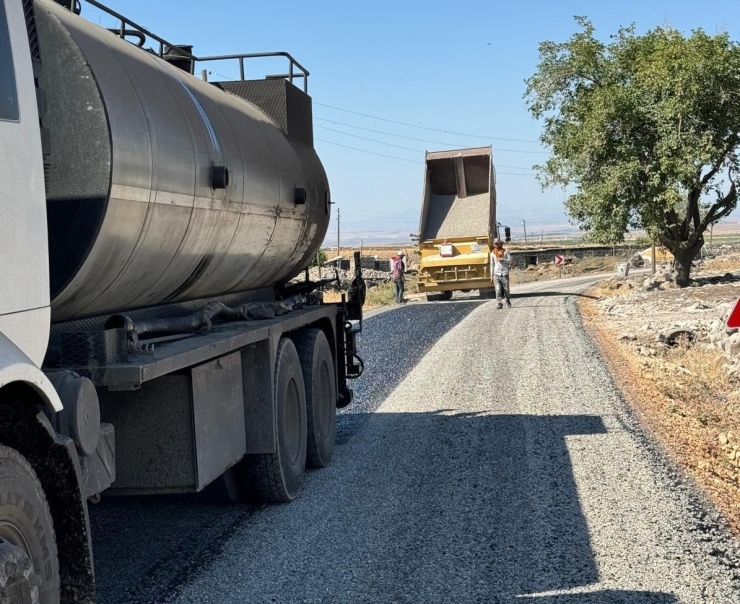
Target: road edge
[{"x": 702, "y": 514}]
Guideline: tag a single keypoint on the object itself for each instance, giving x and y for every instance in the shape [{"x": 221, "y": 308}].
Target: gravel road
[{"x": 488, "y": 459}]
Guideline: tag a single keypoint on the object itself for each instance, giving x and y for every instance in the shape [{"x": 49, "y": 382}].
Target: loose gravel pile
[
  {"x": 451, "y": 216},
  {"x": 494, "y": 464}
]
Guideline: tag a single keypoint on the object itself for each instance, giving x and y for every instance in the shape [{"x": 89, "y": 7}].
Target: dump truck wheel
[
  {"x": 277, "y": 477},
  {"x": 447, "y": 295},
  {"x": 28, "y": 550},
  {"x": 321, "y": 395}
]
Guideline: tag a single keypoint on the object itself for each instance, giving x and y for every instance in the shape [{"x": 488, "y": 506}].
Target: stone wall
[{"x": 524, "y": 258}]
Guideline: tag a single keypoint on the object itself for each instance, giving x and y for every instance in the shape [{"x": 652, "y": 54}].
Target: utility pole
[
  {"x": 524, "y": 224},
  {"x": 204, "y": 75},
  {"x": 339, "y": 248}
]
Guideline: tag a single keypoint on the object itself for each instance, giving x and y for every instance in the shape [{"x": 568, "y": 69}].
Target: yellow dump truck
[{"x": 458, "y": 223}]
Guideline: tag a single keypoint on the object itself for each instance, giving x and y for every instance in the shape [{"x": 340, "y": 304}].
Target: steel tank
[{"x": 139, "y": 210}]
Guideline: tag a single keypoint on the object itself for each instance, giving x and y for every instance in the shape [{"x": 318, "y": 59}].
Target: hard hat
[
  {"x": 497, "y": 240},
  {"x": 400, "y": 252}
]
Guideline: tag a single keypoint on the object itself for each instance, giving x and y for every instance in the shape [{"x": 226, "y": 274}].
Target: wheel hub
[{"x": 19, "y": 584}]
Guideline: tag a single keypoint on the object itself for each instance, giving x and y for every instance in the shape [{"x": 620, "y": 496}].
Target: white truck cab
[{"x": 24, "y": 280}]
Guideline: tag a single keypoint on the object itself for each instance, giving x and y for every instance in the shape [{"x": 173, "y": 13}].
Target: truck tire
[
  {"x": 447, "y": 295},
  {"x": 27, "y": 538},
  {"x": 277, "y": 477},
  {"x": 317, "y": 363}
]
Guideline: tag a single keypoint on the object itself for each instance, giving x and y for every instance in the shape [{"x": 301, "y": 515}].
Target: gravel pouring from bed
[{"x": 503, "y": 465}]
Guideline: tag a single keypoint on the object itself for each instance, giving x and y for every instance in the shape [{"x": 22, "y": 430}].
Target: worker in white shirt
[{"x": 500, "y": 266}]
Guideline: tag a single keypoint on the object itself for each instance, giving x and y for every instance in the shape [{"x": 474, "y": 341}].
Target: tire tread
[
  {"x": 12, "y": 455},
  {"x": 305, "y": 343},
  {"x": 263, "y": 469}
]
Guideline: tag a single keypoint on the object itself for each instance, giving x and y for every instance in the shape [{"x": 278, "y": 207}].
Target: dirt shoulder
[{"x": 688, "y": 393}]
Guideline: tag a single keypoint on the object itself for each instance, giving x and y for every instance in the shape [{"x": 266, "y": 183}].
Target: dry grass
[
  {"x": 378, "y": 296},
  {"x": 685, "y": 397},
  {"x": 727, "y": 265},
  {"x": 612, "y": 288},
  {"x": 546, "y": 271},
  {"x": 332, "y": 296},
  {"x": 382, "y": 295}
]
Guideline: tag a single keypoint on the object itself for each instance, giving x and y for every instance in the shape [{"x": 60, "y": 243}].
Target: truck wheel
[
  {"x": 432, "y": 297},
  {"x": 447, "y": 295},
  {"x": 29, "y": 564},
  {"x": 321, "y": 395},
  {"x": 277, "y": 477}
]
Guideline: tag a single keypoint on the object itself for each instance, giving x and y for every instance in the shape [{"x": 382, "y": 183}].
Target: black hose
[{"x": 156, "y": 327}]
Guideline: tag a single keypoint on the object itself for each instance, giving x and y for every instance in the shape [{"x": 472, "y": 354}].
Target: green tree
[
  {"x": 646, "y": 128},
  {"x": 319, "y": 259}
]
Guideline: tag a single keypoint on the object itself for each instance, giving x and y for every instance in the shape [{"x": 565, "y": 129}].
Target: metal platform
[{"x": 193, "y": 350}]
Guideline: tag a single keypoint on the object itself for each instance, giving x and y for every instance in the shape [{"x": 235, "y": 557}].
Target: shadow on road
[{"x": 432, "y": 507}]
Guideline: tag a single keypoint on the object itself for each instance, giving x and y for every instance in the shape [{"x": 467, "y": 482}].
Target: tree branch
[
  {"x": 692, "y": 213},
  {"x": 721, "y": 209},
  {"x": 671, "y": 221},
  {"x": 710, "y": 175},
  {"x": 695, "y": 195},
  {"x": 593, "y": 79},
  {"x": 716, "y": 167}
]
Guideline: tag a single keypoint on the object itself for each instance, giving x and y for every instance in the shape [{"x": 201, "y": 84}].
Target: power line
[
  {"x": 383, "y": 119},
  {"x": 403, "y": 158},
  {"x": 370, "y": 152},
  {"x": 421, "y": 140},
  {"x": 374, "y": 140}
]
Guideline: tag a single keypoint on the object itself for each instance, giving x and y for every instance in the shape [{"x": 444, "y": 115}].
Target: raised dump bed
[{"x": 458, "y": 222}]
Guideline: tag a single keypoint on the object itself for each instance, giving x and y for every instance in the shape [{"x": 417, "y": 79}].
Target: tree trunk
[
  {"x": 683, "y": 255},
  {"x": 683, "y": 259}
]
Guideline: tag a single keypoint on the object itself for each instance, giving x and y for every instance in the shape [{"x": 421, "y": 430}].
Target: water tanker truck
[
  {"x": 157, "y": 334},
  {"x": 458, "y": 223}
]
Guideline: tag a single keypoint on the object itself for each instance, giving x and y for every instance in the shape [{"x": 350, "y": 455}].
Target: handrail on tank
[
  {"x": 165, "y": 46},
  {"x": 290, "y": 76}
]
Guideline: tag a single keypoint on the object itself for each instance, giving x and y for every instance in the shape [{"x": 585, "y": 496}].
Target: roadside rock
[
  {"x": 732, "y": 344},
  {"x": 699, "y": 306},
  {"x": 678, "y": 336}
]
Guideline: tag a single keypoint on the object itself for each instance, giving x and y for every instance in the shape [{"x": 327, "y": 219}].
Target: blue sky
[{"x": 457, "y": 67}]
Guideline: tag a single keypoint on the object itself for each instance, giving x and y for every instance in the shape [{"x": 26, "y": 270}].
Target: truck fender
[{"x": 17, "y": 368}]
